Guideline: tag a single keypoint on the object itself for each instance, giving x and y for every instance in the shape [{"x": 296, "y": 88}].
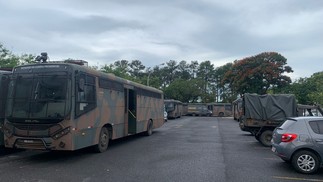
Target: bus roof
[{"x": 74, "y": 67}]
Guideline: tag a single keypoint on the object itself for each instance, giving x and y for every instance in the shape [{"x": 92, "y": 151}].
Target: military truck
[{"x": 261, "y": 114}]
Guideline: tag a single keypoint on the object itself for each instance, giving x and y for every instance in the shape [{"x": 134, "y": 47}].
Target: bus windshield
[
  {"x": 169, "y": 107},
  {"x": 38, "y": 97}
]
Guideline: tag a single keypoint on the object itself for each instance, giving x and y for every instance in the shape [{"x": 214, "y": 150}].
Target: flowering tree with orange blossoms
[{"x": 258, "y": 74}]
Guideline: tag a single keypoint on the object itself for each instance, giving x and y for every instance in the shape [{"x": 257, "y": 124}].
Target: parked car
[
  {"x": 299, "y": 141},
  {"x": 165, "y": 115}
]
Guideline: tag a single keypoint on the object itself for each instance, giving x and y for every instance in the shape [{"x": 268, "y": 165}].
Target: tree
[
  {"x": 183, "y": 90},
  {"x": 223, "y": 92},
  {"x": 308, "y": 90},
  {"x": 259, "y": 73},
  {"x": 119, "y": 68},
  {"x": 136, "y": 68},
  {"x": 7, "y": 58},
  {"x": 206, "y": 75}
]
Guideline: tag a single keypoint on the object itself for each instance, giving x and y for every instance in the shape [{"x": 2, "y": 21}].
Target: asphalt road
[{"x": 189, "y": 149}]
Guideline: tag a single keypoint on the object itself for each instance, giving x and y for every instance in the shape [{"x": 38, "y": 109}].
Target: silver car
[{"x": 300, "y": 142}]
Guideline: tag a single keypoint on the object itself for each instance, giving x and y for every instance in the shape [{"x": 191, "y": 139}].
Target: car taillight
[{"x": 288, "y": 137}]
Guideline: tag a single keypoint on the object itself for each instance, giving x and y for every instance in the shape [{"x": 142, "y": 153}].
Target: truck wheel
[
  {"x": 265, "y": 138},
  {"x": 305, "y": 162},
  {"x": 104, "y": 138}
]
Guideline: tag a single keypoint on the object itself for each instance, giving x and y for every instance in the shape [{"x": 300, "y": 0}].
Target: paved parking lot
[{"x": 186, "y": 149}]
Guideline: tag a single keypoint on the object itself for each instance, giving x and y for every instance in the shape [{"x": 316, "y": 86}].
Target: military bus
[
  {"x": 4, "y": 80},
  {"x": 174, "y": 108},
  {"x": 63, "y": 106},
  {"x": 220, "y": 109}
]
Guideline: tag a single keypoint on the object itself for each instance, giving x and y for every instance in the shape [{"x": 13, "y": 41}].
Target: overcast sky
[{"x": 154, "y": 32}]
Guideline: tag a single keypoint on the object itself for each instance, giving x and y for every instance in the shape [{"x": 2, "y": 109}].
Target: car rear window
[
  {"x": 287, "y": 124},
  {"x": 317, "y": 126}
]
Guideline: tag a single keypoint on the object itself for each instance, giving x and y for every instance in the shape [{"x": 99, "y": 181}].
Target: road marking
[
  {"x": 178, "y": 126},
  {"x": 213, "y": 126},
  {"x": 296, "y": 179}
]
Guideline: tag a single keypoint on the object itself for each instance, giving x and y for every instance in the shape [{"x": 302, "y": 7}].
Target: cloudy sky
[{"x": 154, "y": 32}]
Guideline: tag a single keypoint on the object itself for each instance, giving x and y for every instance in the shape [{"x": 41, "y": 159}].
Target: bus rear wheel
[
  {"x": 149, "y": 128},
  {"x": 104, "y": 138}
]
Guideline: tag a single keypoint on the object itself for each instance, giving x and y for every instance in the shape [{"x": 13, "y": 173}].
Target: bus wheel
[
  {"x": 149, "y": 128},
  {"x": 104, "y": 138},
  {"x": 221, "y": 114}
]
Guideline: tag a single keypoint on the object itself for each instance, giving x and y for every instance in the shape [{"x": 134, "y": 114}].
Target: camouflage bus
[
  {"x": 220, "y": 109},
  {"x": 62, "y": 106},
  {"x": 4, "y": 80},
  {"x": 174, "y": 108}
]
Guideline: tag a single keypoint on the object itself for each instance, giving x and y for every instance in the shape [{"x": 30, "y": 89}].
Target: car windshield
[{"x": 35, "y": 96}]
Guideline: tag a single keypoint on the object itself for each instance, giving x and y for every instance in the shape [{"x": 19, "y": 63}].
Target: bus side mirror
[{"x": 81, "y": 85}]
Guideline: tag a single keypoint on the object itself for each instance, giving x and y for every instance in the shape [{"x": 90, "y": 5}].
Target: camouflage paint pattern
[
  {"x": 84, "y": 130},
  {"x": 174, "y": 108}
]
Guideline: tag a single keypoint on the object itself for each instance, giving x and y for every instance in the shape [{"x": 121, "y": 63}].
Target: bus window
[{"x": 86, "y": 99}]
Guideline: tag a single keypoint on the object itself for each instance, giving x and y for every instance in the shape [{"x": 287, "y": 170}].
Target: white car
[{"x": 165, "y": 115}]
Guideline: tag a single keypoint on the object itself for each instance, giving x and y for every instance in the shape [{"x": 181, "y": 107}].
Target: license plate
[
  {"x": 273, "y": 149},
  {"x": 28, "y": 141}
]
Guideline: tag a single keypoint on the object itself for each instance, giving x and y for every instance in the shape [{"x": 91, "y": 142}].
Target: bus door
[{"x": 131, "y": 113}]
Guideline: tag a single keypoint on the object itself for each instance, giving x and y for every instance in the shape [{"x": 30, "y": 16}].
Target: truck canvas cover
[{"x": 270, "y": 107}]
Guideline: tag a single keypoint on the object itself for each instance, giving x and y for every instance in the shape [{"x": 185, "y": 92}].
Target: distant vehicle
[
  {"x": 4, "y": 81},
  {"x": 174, "y": 108},
  {"x": 237, "y": 109},
  {"x": 165, "y": 115},
  {"x": 300, "y": 141},
  {"x": 64, "y": 106},
  {"x": 220, "y": 109},
  {"x": 198, "y": 109}
]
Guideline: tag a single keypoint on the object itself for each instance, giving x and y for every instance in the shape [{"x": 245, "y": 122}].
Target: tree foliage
[
  {"x": 10, "y": 60},
  {"x": 258, "y": 73}
]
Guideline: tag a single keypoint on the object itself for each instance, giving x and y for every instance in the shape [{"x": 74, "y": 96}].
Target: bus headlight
[
  {"x": 7, "y": 130},
  {"x": 61, "y": 133}
]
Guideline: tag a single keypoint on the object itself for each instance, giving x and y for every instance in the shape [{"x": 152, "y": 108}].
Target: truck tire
[{"x": 265, "y": 138}]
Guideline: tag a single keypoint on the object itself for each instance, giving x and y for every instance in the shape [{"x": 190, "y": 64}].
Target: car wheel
[
  {"x": 305, "y": 162},
  {"x": 265, "y": 138},
  {"x": 104, "y": 138}
]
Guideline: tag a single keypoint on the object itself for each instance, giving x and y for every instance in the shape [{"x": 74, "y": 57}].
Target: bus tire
[
  {"x": 104, "y": 138},
  {"x": 149, "y": 128},
  {"x": 221, "y": 114},
  {"x": 265, "y": 138}
]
